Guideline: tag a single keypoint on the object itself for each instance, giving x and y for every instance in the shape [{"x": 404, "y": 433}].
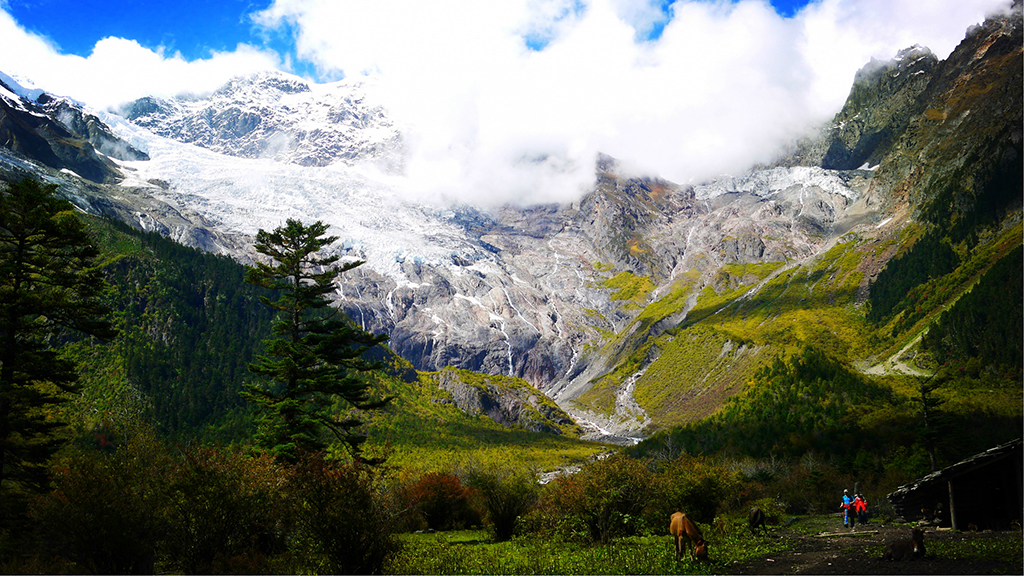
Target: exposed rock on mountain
[
  {"x": 29, "y": 131},
  {"x": 89, "y": 127},
  {"x": 505, "y": 400},
  {"x": 882, "y": 101},
  {"x": 963, "y": 152}
]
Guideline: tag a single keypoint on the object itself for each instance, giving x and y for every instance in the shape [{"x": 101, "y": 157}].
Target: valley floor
[
  {"x": 795, "y": 549},
  {"x": 860, "y": 552}
]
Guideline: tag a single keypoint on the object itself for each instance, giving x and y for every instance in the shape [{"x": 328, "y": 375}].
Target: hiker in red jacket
[{"x": 860, "y": 506}]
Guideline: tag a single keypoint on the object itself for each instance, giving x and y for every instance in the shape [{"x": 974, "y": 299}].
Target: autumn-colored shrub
[
  {"x": 607, "y": 499},
  {"x": 338, "y": 519},
  {"x": 442, "y": 501}
]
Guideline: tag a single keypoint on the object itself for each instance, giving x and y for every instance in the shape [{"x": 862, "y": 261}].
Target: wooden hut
[{"x": 983, "y": 491}]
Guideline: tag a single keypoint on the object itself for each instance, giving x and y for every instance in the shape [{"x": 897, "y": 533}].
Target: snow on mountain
[
  {"x": 766, "y": 183},
  {"x": 241, "y": 196},
  {"x": 281, "y": 117},
  {"x": 513, "y": 291}
]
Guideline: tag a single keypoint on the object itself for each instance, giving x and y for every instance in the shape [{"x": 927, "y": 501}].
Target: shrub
[
  {"x": 692, "y": 485},
  {"x": 607, "y": 498},
  {"x": 442, "y": 501},
  {"x": 222, "y": 506},
  {"x": 105, "y": 510},
  {"x": 506, "y": 494},
  {"x": 339, "y": 520},
  {"x": 812, "y": 488}
]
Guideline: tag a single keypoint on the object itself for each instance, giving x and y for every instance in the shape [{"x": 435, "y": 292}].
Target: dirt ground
[{"x": 859, "y": 551}]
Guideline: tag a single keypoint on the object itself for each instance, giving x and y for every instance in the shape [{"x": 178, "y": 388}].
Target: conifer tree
[
  {"x": 316, "y": 354},
  {"x": 49, "y": 288}
]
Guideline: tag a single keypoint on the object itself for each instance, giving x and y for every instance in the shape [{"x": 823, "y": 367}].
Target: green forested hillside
[
  {"x": 189, "y": 327},
  {"x": 984, "y": 325}
]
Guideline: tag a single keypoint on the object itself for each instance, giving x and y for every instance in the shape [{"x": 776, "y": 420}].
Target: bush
[
  {"x": 339, "y": 520},
  {"x": 691, "y": 485},
  {"x": 506, "y": 495},
  {"x": 105, "y": 510},
  {"x": 812, "y": 489},
  {"x": 606, "y": 499},
  {"x": 441, "y": 501},
  {"x": 223, "y": 506}
]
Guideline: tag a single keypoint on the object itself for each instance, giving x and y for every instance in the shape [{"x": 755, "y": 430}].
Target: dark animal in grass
[
  {"x": 755, "y": 520},
  {"x": 906, "y": 549},
  {"x": 685, "y": 533}
]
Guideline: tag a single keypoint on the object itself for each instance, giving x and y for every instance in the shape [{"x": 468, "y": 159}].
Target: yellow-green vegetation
[
  {"x": 624, "y": 347},
  {"x": 630, "y": 287},
  {"x": 696, "y": 370},
  {"x": 687, "y": 378},
  {"x": 421, "y": 431},
  {"x": 814, "y": 303}
]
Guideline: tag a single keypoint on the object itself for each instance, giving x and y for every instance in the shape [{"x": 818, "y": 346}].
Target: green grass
[
  {"x": 1004, "y": 548},
  {"x": 472, "y": 552}
]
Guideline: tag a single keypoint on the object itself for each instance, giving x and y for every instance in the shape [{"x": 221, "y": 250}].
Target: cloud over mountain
[{"x": 511, "y": 100}]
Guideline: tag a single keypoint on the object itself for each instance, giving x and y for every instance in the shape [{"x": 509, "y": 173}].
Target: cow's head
[{"x": 700, "y": 550}]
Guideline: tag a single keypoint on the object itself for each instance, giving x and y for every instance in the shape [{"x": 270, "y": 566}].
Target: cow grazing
[
  {"x": 906, "y": 549},
  {"x": 756, "y": 520},
  {"x": 685, "y": 533}
]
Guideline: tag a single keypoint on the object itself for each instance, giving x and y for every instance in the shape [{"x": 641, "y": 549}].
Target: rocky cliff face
[
  {"x": 505, "y": 400},
  {"x": 32, "y": 132},
  {"x": 883, "y": 99},
  {"x": 963, "y": 152}
]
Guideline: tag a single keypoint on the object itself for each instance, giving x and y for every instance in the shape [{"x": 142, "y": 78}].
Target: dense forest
[
  {"x": 190, "y": 326},
  {"x": 984, "y": 326}
]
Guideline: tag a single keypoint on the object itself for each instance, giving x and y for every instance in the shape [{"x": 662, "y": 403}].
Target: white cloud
[
  {"x": 491, "y": 120},
  {"x": 724, "y": 85},
  {"x": 119, "y": 70}
]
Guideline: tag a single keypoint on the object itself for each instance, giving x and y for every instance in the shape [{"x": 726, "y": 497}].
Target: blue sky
[
  {"x": 686, "y": 89},
  {"x": 193, "y": 28}
]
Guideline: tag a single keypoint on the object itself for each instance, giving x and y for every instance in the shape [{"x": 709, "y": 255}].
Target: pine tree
[
  {"x": 49, "y": 289},
  {"x": 317, "y": 353}
]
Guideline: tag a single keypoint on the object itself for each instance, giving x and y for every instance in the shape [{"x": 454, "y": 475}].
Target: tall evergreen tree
[
  {"x": 317, "y": 353},
  {"x": 49, "y": 288}
]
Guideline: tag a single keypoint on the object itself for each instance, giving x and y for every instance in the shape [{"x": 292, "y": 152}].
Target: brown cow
[
  {"x": 906, "y": 549},
  {"x": 685, "y": 533},
  {"x": 755, "y": 520}
]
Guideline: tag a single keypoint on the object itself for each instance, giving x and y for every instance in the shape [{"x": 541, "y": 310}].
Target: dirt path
[{"x": 861, "y": 554}]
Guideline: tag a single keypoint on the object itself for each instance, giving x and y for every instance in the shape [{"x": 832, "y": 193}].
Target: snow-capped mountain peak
[{"x": 278, "y": 116}]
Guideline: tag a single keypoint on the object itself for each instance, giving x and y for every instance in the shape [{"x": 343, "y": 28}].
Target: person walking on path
[
  {"x": 847, "y": 502},
  {"x": 860, "y": 506}
]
